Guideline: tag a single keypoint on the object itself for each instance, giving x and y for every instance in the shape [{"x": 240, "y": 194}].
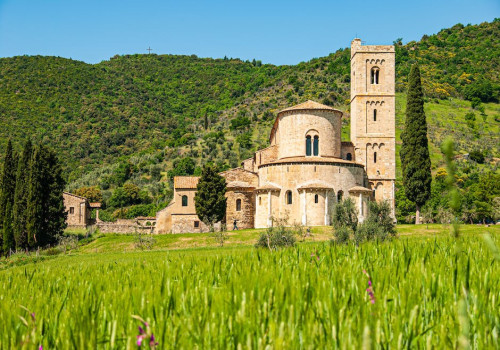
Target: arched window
[
  {"x": 316, "y": 146},
  {"x": 316, "y": 198},
  {"x": 260, "y": 200},
  {"x": 339, "y": 196},
  {"x": 374, "y": 75},
  {"x": 374, "y": 157},
  {"x": 308, "y": 145},
  {"x": 288, "y": 197},
  {"x": 238, "y": 205},
  {"x": 374, "y": 115},
  {"x": 184, "y": 201},
  {"x": 349, "y": 156}
]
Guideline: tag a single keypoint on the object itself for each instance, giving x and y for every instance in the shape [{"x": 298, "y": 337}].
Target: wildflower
[
  {"x": 369, "y": 290},
  {"x": 152, "y": 341},
  {"x": 145, "y": 334}
]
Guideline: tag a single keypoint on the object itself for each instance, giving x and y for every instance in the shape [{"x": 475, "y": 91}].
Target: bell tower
[{"x": 373, "y": 129}]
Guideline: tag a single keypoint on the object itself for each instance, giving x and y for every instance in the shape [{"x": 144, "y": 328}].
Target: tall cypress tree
[
  {"x": 415, "y": 160},
  {"x": 210, "y": 199},
  {"x": 46, "y": 216},
  {"x": 21, "y": 197},
  {"x": 35, "y": 223},
  {"x": 8, "y": 186},
  {"x": 56, "y": 212}
]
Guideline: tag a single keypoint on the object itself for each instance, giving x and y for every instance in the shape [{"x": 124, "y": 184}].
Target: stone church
[{"x": 307, "y": 168}]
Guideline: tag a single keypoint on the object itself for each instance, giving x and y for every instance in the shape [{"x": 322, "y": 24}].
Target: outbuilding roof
[{"x": 186, "y": 182}]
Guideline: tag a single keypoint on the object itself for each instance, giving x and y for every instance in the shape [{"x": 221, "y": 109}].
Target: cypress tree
[
  {"x": 21, "y": 197},
  {"x": 46, "y": 216},
  {"x": 8, "y": 232},
  {"x": 56, "y": 212},
  {"x": 35, "y": 223},
  {"x": 8, "y": 186},
  {"x": 210, "y": 200},
  {"x": 415, "y": 160}
]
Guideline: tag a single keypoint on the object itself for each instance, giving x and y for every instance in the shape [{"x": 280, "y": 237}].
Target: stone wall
[
  {"x": 242, "y": 175},
  {"x": 266, "y": 155},
  {"x": 296, "y": 124},
  {"x": 348, "y": 147},
  {"x": 186, "y": 223},
  {"x": 289, "y": 177},
  {"x": 77, "y": 209},
  {"x": 245, "y": 216}
]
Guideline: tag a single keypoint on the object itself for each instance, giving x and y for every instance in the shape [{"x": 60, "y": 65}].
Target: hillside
[{"x": 133, "y": 117}]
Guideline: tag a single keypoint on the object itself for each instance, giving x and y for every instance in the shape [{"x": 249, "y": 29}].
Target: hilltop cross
[{"x": 149, "y": 50}]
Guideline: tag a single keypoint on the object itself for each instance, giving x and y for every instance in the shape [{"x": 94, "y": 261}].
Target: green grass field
[{"x": 430, "y": 290}]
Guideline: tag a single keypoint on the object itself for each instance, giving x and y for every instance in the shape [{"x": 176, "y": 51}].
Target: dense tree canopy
[{"x": 415, "y": 160}]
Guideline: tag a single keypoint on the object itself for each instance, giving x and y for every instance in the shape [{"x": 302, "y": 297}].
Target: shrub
[
  {"x": 378, "y": 225},
  {"x": 276, "y": 237},
  {"x": 369, "y": 230},
  {"x": 345, "y": 214},
  {"x": 144, "y": 241},
  {"x": 380, "y": 214},
  {"x": 477, "y": 156},
  {"x": 342, "y": 235}
]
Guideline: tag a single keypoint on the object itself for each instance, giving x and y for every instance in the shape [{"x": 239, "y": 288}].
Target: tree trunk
[{"x": 417, "y": 216}]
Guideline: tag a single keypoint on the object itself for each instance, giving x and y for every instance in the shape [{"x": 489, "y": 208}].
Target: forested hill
[{"x": 157, "y": 108}]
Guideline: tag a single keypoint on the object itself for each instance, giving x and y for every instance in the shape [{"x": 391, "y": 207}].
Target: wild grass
[{"x": 429, "y": 291}]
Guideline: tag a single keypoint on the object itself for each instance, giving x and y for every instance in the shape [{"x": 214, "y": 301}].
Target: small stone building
[
  {"x": 307, "y": 168},
  {"x": 78, "y": 209}
]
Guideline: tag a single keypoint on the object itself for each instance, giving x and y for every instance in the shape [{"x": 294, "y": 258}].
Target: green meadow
[{"x": 429, "y": 290}]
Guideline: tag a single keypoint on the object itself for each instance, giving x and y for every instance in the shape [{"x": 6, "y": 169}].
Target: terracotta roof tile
[{"x": 185, "y": 181}]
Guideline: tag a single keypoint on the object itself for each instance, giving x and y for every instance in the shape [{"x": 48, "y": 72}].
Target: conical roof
[{"x": 308, "y": 105}]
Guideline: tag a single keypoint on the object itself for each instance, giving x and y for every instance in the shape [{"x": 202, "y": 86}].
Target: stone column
[
  {"x": 361, "y": 207},
  {"x": 327, "y": 218},
  {"x": 269, "y": 212},
  {"x": 304, "y": 208}
]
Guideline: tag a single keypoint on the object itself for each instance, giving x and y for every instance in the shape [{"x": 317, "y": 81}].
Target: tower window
[
  {"x": 374, "y": 75},
  {"x": 288, "y": 197},
  {"x": 308, "y": 145},
  {"x": 316, "y": 199},
  {"x": 374, "y": 115},
  {"x": 260, "y": 200},
  {"x": 339, "y": 196},
  {"x": 375, "y": 157},
  {"x": 71, "y": 210},
  {"x": 316, "y": 146},
  {"x": 238, "y": 205},
  {"x": 196, "y": 224},
  {"x": 184, "y": 201},
  {"x": 349, "y": 156}
]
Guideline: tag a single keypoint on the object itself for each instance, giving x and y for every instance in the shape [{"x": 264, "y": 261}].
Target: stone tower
[{"x": 373, "y": 115}]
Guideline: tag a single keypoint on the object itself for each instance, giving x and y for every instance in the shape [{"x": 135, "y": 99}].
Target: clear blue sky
[{"x": 278, "y": 32}]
